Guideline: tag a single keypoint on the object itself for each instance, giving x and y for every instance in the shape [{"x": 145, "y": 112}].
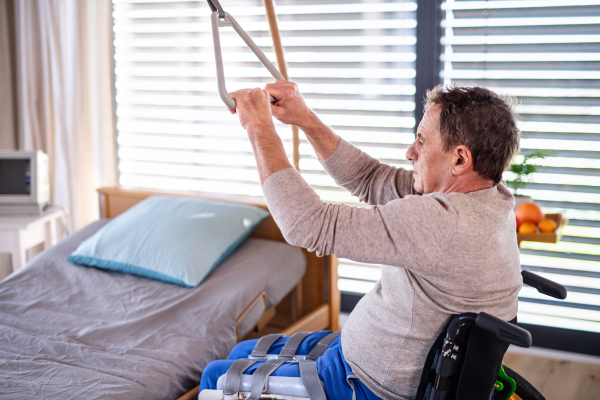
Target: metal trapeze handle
[
  {"x": 215, "y": 6},
  {"x": 228, "y": 20}
]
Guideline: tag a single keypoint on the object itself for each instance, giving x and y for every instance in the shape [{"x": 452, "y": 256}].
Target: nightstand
[{"x": 20, "y": 232}]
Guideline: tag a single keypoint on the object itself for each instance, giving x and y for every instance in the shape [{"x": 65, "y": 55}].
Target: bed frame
[{"x": 314, "y": 304}]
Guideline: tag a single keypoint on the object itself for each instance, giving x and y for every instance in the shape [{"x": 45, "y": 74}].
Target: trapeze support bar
[{"x": 228, "y": 20}]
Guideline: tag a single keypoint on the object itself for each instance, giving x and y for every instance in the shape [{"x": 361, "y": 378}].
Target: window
[
  {"x": 354, "y": 62},
  {"x": 173, "y": 131},
  {"x": 547, "y": 53}
]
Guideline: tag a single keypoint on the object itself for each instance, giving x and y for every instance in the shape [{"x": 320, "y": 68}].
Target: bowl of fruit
[{"x": 535, "y": 226}]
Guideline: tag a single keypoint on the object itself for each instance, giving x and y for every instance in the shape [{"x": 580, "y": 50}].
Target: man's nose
[{"x": 410, "y": 153}]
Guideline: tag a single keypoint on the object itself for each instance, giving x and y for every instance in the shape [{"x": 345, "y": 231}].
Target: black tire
[{"x": 525, "y": 390}]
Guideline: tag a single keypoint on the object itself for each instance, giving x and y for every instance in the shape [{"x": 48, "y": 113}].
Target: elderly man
[{"x": 444, "y": 232}]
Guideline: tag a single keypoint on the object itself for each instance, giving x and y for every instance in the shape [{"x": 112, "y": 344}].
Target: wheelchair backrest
[
  {"x": 463, "y": 362},
  {"x": 465, "y": 359}
]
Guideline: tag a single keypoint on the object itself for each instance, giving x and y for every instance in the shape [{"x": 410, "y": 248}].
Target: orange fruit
[
  {"x": 529, "y": 212},
  {"x": 547, "y": 226},
  {"x": 527, "y": 228}
]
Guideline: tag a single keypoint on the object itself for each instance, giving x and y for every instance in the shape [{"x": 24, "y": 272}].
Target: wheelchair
[{"x": 454, "y": 368}]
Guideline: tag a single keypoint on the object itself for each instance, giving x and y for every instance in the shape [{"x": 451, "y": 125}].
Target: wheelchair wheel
[{"x": 525, "y": 390}]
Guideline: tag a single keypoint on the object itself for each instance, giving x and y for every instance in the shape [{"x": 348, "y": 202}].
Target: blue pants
[{"x": 333, "y": 369}]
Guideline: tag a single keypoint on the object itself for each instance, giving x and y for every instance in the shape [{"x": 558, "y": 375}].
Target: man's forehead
[{"x": 430, "y": 123}]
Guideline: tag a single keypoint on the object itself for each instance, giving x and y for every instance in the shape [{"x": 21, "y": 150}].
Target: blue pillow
[{"x": 176, "y": 240}]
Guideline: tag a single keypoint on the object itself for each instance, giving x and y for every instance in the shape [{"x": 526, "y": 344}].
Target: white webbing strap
[
  {"x": 233, "y": 376},
  {"x": 323, "y": 345},
  {"x": 262, "y": 373},
  {"x": 262, "y": 347},
  {"x": 291, "y": 347},
  {"x": 310, "y": 379},
  {"x": 260, "y": 376},
  {"x": 308, "y": 368},
  {"x": 234, "y": 373}
]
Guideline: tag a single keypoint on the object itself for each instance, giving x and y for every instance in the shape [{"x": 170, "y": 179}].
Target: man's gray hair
[{"x": 482, "y": 121}]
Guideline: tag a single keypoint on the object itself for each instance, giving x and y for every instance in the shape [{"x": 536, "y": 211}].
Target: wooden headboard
[{"x": 314, "y": 304}]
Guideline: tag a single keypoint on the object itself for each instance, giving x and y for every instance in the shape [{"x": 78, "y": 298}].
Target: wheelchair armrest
[
  {"x": 545, "y": 286},
  {"x": 503, "y": 330}
]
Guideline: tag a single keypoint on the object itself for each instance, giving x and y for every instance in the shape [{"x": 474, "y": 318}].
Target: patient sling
[
  {"x": 220, "y": 18},
  {"x": 311, "y": 386}
]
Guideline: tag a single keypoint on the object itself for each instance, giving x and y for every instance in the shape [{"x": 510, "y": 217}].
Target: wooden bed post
[
  {"x": 334, "y": 298},
  {"x": 330, "y": 262},
  {"x": 282, "y": 66}
]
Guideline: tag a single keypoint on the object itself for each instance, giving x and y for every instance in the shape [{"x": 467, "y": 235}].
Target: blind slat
[
  {"x": 545, "y": 52},
  {"x": 354, "y": 63}
]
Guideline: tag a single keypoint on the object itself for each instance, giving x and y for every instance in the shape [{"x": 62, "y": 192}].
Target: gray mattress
[{"x": 69, "y": 331}]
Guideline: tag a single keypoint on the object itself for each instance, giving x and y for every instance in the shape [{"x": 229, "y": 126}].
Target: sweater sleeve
[
  {"x": 411, "y": 232},
  {"x": 366, "y": 177}
]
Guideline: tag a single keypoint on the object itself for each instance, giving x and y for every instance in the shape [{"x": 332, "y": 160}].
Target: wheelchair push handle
[
  {"x": 544, "y": 286},
  {"x": 503, "y": 330}
]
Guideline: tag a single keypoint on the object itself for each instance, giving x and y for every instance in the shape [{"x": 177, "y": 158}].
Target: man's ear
[{"x": 462, "y": 160}]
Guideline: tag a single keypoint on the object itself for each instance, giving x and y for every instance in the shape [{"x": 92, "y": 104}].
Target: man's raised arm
[
  {"x": 398, "y": 232},
  {"x": 362, "y": 175}
]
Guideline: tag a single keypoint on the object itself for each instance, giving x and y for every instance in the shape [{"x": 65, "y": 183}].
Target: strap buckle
[
  {"x": 261, "y": 358},
  {"x": 288, "y": 358}
]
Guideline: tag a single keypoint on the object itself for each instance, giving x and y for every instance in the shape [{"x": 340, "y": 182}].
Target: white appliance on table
[
  {"x": 24, "y": 182},
  {"x": 26, "y": 219}
]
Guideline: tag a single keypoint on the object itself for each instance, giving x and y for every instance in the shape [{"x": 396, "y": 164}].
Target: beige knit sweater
[{"x": 442, "y": 254}]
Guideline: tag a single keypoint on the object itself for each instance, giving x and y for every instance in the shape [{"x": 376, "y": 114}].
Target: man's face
[{"x": 432, "y": 166}]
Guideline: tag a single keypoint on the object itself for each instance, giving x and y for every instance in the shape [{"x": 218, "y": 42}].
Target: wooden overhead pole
[
  {"x": 333, "y": 293},
  {"x": 278, "y": 48}
]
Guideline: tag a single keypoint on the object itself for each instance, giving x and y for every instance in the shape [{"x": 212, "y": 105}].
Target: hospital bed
[{"x": 69, "y": 331}]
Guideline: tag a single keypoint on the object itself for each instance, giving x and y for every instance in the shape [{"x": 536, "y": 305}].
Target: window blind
[
  {"x": 354, "y": 62},
  {"x": 173, "y": 130},
  {"x": 547, "y": 53}
]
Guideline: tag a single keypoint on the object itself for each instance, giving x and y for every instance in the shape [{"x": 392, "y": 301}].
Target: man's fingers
[
  {"x": 272, "y": 97},
  {"x": 244, "y": 97},
  {"x": 272, "y": 89},
  {"x": 279, "y": 88},
  {"x": 238, "y": 93}
]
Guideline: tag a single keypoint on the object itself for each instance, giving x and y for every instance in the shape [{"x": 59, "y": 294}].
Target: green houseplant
[{"x": 524, "y": 169}]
